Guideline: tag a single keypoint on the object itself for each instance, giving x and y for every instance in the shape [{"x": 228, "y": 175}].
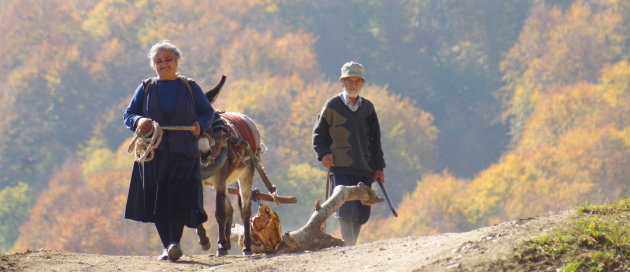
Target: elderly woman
[{"x": 167, "y": 190}]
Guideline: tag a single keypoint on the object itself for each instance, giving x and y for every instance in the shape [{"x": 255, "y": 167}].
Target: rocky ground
[{"x": 484, "y": 249}]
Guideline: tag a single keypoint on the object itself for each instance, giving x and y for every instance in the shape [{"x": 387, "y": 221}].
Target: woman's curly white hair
[{"x": 163, "y": 45}]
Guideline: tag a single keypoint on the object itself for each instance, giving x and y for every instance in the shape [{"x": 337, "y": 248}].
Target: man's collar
[{"x": 346, "y": 99}]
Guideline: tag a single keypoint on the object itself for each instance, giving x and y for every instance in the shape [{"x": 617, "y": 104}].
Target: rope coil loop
[{"x": 143, "y": 145}]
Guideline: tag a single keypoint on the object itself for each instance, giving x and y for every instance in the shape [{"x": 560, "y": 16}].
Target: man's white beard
[{"x": 351, "y": 93}]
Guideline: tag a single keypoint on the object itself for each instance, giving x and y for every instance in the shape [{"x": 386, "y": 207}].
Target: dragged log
[
  {"x": 311, "y": 236},
  {"x": 265, "y": 231}
]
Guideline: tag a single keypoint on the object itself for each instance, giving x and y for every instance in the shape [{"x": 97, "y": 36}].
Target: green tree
[
  {"x": 15, "y": 207},
  {"x": 308, "y": 184}
]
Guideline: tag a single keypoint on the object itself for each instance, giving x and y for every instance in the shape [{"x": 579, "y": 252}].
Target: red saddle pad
[{"x": 239, "y": 127}]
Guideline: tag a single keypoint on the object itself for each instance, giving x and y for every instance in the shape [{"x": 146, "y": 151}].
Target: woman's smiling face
[{"x": 165, "y": 64}]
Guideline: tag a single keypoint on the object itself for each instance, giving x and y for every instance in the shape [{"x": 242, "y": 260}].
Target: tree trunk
[{"x": 311, "y": 236}]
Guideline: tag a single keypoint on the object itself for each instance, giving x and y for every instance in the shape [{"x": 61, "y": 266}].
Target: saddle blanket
[{"x": 241, "y": 126}]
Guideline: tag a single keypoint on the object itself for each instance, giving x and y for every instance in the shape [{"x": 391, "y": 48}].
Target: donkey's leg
[
  {"x": 204, "y": 241},
  {"x": 228, "y": 223},
  {"x": 224, "y": 221},
  {"x": 245, "y": 205},
  {"x": 223, "y": 212}
]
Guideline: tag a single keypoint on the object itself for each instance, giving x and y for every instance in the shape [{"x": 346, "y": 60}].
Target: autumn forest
[{"x": 490, "y": 110}]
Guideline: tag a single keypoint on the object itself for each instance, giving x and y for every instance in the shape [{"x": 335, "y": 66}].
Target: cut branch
[
  {"x": 266, "y": 197},
  {"x": 311, "y": 236}
]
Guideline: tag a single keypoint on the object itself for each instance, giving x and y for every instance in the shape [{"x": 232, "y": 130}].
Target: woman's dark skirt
[{"x": 170, "y": 184}]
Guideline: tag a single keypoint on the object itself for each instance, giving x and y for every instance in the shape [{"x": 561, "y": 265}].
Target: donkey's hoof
[
  {"x": 205, "y": 246},
  {"x": 247, "y": 252},
  {"x": 222, "y": 252}
]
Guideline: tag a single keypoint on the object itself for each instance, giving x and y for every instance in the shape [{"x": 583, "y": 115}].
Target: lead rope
[{"x": 143, "y": 145}]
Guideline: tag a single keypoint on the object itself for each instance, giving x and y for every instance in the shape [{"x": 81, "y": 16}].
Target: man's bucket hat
[{"x": 352, "y": 69}]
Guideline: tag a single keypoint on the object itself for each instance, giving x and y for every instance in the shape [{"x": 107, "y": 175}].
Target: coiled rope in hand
[{"x": 145, "y": 144}]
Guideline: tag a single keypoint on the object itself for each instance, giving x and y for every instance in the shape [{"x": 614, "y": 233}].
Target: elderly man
[{"x": 347, "y": 139}]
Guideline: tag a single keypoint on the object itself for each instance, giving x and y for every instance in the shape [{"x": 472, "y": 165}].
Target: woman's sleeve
[
  {"x": 134, "y": 110},
  {"x": 204, "y": 110}
]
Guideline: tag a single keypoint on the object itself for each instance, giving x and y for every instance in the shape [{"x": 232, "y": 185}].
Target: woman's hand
[
  {"x": 145, "y": 125},
  {"x": 197, "y": 129}
]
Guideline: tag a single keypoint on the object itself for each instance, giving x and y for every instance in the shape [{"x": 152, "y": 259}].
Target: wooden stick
[
  {"x": 327, "y": 194},
  {"x": 327, "y": 184},
  {"x": 267, "y": 197}
]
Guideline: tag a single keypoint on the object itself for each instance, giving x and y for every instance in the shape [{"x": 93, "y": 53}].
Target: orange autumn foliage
[{"x": 575, "y": 150}]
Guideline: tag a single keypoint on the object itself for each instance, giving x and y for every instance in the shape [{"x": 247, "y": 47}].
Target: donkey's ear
[{"x": 214, "y": 92}]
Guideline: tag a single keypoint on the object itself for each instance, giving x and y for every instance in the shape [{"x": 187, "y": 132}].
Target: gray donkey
[{"x": 233, "y": 156}]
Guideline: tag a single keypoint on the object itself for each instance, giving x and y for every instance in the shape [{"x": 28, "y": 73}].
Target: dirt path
[{"x": 468, "y": 251}]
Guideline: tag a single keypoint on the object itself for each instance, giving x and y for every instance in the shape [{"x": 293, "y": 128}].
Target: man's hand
[
  {"x": 379, "y": 176},
  {"x": 145, "y": 125},
  {"x": 327, "y": 160},
  {"x": 197, "y": 129}
]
